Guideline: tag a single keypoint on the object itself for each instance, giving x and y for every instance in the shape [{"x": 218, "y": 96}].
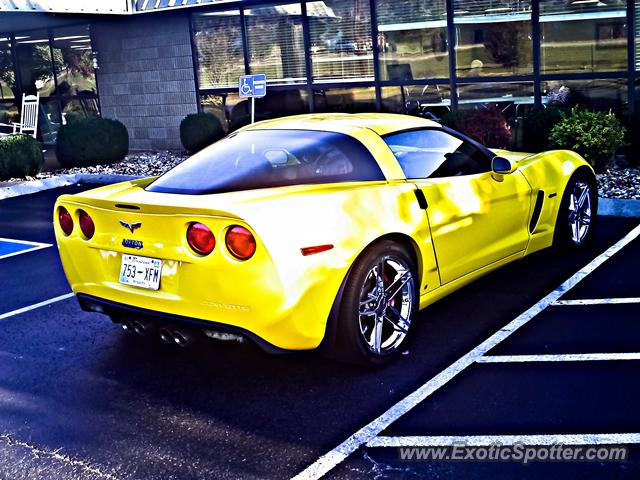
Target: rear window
[{"x": 271, "y": 158}]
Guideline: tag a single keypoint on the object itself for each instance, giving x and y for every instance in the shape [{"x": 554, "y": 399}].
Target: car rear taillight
[
  {"x": 240, "y": 242},
  {"x": 65, "y": 220},
  {"x": 86, "y": 224},
  {"x": 200, "y": 238}
]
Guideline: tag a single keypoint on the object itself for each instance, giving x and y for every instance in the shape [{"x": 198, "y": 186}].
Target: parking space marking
[
  {"x": 36, "y": 305},
  {"x": 598, "y": 301},
  {"x": 507, "y": 440},
  {"x": 10, "y": 247},
  {"x": 578, "y": 357},
  {"x": 331, "y": 459}
]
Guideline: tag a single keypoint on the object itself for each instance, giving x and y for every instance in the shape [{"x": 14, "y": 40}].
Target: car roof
[{"x": 380, "y": 123}]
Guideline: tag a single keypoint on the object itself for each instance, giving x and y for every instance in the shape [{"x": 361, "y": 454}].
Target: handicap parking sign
[{"x": 253, "y": 85}]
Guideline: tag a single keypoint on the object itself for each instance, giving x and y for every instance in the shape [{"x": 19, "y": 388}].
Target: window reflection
[
  {"x": 428, "y": 101},
  {"x": 73, "y": 60},
  {"x": 7, "y": 75},
  {"x": 348, "y": 100},
  {"x": 341, "y": 45},
  {"x": 218, "y": 40},
  {"x": 35, "y": 63},
  {"x": 601, "y": 94},
  {"x": 412, "y": 39},
  {"x": 583, "y": 36},
  {"x": 493, "y": 37},
  {"x": 276, "y": 43}
]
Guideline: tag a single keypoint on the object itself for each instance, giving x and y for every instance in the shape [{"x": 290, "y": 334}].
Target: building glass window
[
  {"x": 601, "y": 94},
  {"x": 276, "y": 42},
  {"x": 583, "y": 36},
  {"x": 412, "y": 39},
  {"x": 75, "y": 73},
  {"x": 493, "y": 37},
  {"x": 7, "y": 74},
  {"x": 495, "y": 111},
  {"x": 429, "y": 101},
  {"x": 341, "y": 44},
  {"x": 218, "y": 41},
  {"x": 35, "y": 63},
  {"x": 637, "y": 28},
  {"x": 347, "y": 100}
]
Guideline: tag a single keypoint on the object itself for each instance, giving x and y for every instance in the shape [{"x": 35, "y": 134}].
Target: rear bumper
[{"x": 90, "y": 303}]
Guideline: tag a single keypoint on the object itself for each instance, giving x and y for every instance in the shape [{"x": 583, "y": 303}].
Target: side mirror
[{"x": 502, "y": 166}]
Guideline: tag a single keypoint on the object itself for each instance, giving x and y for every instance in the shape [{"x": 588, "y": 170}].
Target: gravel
[
  {"x": 619, "y": 183},
  {"x": 144, "y": 164},
  {"x": 613, "y": 183}
]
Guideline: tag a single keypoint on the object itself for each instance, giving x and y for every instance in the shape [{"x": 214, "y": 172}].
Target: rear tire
[
  {"x": 378, "y": 304},
  {"x": 577, "y": 213}
]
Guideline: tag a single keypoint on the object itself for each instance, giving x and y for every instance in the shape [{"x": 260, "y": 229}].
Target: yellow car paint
[{"x": 473, "y": 224}]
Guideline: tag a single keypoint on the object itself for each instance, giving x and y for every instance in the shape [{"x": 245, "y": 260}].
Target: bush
[
  {"x": 20, "y": 155},
  {"x": 199, "y": 130},
  {"x": 537, "y": 128},
  {"x": 91, "y": 141},
  {"x": 594, "y": 135},
  {"x": 243, "y": 120},
  {"x": 487, "y": 125}
]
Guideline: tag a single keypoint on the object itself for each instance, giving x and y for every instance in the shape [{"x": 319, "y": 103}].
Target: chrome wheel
[
  {"x": 386, "y": 303},
  {"x": 579, "y": 212}
]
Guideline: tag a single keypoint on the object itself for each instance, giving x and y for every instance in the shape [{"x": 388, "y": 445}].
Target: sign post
[{"x": 253, "y": 86}]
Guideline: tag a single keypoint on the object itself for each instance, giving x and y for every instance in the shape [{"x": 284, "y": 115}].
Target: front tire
[
  {"x": 378, "y": 304},
  {"x": 577, "y": 214}
]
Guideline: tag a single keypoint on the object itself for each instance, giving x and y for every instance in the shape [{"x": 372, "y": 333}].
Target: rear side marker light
[
  {"x": 200, "y": 238},
  {"x": 65, "y": 220},
  {"x": 306, "y": 251},
  {"x": 87, "y": 226},
  {"x": 240, "y": 242}
]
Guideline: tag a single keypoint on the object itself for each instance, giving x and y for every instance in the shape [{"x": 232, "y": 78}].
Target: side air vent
[{"x": 537, "y": 208}]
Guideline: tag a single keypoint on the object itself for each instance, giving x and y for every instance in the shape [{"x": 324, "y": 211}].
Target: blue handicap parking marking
[{"x": 9, "y": 247}]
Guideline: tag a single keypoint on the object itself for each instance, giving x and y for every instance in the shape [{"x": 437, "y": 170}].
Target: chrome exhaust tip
[
  {"x": 166, "y": 335},
  {"x": 183, "y": 338},
  {"x": 142, "y": 328}
]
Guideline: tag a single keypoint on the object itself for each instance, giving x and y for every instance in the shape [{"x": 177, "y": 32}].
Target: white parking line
[
  {"x": 35, "y": 246},
  {"x": 488, "y": 440},
  {"x": 579, "y": 357},
  {"x": 598, "y": 301},
  {"x": 336, "y": 456},
  {"x": 35, "y": 305}
]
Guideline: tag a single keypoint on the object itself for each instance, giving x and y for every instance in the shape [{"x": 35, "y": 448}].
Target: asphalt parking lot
[{"x": 510, "y": 355}]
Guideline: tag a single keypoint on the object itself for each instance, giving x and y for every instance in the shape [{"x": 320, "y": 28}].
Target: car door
[{"x": 476, "y": 217}]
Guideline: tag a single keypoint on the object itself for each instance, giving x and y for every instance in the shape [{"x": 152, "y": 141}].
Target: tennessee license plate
[{"x": 141, "y": 271}]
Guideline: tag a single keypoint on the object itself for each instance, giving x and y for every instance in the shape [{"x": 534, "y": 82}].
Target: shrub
[
  {"x": 537, "y": 128},
  {"x": 91, "y": 141},
  {"x": 454, "y": 119},
  {"x": 594, "y": 135},
  {"x": 20, "y": 155},
  {"x": 199, "y": 130},
  {"x": 242, "y": 120},
  {"x": 488, "y": 126}
]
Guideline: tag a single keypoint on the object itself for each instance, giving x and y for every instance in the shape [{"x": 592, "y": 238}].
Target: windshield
[{"x": 271, "y": 158}]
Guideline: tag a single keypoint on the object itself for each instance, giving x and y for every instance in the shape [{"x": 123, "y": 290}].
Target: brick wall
[{"x": 145, "y": 76}]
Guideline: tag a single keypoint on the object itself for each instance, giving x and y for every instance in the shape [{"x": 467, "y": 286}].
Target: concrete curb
[
  {"x": 34, "y": 186},
  {"x": 618, "y": 207}
]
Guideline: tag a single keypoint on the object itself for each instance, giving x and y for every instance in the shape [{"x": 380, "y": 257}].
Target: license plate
[{"x": 141, "y": 271}]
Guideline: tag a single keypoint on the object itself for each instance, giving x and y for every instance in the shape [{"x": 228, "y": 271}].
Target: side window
[{"x": 435, "y": 153}]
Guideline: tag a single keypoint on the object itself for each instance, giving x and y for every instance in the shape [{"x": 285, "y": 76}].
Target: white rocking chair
[{"x": 28, "y": 117}]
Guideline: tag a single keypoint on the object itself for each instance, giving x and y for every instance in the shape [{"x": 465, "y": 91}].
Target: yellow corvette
[{"x": 320, "y": 231}]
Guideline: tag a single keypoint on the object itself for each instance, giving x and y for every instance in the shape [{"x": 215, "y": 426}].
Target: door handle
[{"x": 422, "y": 200}]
